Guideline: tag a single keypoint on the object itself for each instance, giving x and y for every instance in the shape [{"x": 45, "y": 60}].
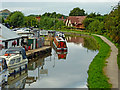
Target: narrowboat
[
  {"x": 16, "y": 60},
  {"x": 3, "y": 71},
  {"x": 60, "y": 42}
]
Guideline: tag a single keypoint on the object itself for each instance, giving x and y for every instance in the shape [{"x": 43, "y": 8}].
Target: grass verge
[{"x": 96, "y": 76}]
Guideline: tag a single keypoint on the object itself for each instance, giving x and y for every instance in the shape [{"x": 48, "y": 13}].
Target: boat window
[
  {"x": 12, "y": 61},
  {"x": 12, "y": 52},
  {"x": 18, "y": 60}
]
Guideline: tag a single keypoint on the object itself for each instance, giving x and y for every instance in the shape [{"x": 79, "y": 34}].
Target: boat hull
[
  {"x": 62, "y": 49},
  {"x": 17, "y": 68}
]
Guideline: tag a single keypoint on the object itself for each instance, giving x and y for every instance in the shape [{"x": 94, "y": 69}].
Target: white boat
[
  {"x": 3, "y": 71},
  {"x": 16, "y": 60}
]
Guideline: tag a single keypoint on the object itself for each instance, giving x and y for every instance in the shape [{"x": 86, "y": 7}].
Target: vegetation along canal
[{"x": 64, "y": 70}]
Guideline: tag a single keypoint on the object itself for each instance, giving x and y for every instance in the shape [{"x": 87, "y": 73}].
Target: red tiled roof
[{"x": 77, "y": 19}]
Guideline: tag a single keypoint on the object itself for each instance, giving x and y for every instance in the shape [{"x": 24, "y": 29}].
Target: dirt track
[{"x": 111, "y": 70}]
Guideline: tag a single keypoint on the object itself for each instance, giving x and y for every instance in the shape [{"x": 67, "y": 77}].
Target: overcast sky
[{"x": 59, "y": 0}]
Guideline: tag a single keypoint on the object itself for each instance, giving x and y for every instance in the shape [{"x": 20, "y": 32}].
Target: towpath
[{"x": 111, "y": 70}]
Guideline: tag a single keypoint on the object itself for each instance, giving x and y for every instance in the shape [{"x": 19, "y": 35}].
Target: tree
[
  {"x": 112, "y": 24},
  {"x": 31, "y": 21},
  {"x": 2, "y": 19},
  {"x": 87, "y": 21},
  {"x": 17, "y": 19},
  {"x": 77, "y": 12},
  {"x": 93, "y": 26},
  {"x": 46, "y": 22}
]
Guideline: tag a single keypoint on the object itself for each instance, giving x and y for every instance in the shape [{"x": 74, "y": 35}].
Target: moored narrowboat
[
  {"x": 16, "y": 60},
  {"x": 60, "y": 42}
]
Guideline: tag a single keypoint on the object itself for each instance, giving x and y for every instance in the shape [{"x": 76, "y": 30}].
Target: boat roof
[
  {"x": 60, "y": 39},
  {"x": 10, "y": 57},
  {"x": 15, "y": 49}
]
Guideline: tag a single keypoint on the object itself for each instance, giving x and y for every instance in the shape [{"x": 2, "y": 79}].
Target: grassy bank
[{"x": 96, "y": 77}]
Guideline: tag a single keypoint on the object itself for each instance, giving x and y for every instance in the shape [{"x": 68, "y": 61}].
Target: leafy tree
[
  {"x": 31, "y": 21},
  {"x": 2, "y": 19},
  {"x": 87, "y": 21},
  {"x": 59, "y": 24},
  {"x": 112, "y": 24},
  {"x": 77, "y": 12},
  {"x": 46, "y": 22},
  {"x": 92, "y": 15},
  {"x": 93, "y": 26},
  {"x": 17, "y": 19},
  {"x": 46, "y": 14}
]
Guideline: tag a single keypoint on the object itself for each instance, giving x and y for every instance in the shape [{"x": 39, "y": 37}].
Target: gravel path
[{"x": 111, "y": 70}]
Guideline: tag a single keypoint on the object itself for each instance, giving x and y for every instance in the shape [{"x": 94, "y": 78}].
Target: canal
[
  {"x": 65, "y": 70},
  {"x": 61, "y": 70}
]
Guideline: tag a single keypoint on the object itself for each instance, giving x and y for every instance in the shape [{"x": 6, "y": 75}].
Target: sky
[{"x": 59, "y": 0}]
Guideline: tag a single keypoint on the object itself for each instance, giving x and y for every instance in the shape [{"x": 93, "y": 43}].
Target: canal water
[{"x": 60, "y": 70}]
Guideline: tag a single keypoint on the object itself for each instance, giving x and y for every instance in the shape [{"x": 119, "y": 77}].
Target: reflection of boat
[
  {"x": 34, "y": 70},
  {"x": 17, "y": 82},
  {"x": 60, "y": 42},
  {"x": 16, "y": 60},
  {"x": 62, "y": 55},
  {"x": 3, "y": 71}
]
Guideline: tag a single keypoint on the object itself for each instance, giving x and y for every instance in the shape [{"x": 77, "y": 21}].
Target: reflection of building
[
  {"x": 18, "y": 81},
  {"x": 76, "y": 40}
]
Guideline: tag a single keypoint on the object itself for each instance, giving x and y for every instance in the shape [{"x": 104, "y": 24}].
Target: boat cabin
[{"x": 16, "y": 50}]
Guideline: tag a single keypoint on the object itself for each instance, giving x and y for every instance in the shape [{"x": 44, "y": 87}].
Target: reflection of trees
[{"x": 90, "y": 43}]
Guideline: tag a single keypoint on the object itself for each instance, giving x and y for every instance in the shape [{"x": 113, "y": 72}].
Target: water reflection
[
  {"x": 76, "y": 40},
  {"x": 18, "y": 81},
  {"x": 35, "y": 68},
  {"x": 62, "y": 55},
  {"x": 59, "y": 69},
  {"x": 87, "y": 42},
  {"x": 68, "y": 72}
]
